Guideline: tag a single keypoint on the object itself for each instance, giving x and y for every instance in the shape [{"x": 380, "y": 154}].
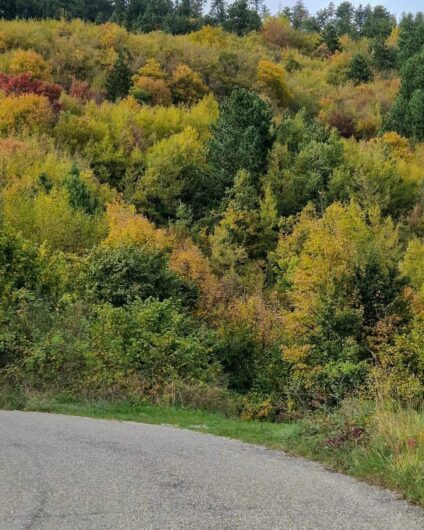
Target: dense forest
[{"x": 218, "y": 209}]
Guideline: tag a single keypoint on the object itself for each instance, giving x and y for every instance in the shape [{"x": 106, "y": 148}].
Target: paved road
[{"x": 59, "y": 472}]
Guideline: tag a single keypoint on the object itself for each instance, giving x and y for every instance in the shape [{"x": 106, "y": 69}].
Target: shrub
[
  {"x": 186, "y": 85},
  {"x": 119, "y": 275},
  {"x": 29, "y": 61},
  {"x": 26, "y": 84},
  {"x": 271, "y": 78},
  {"x": 150, "y": 90},
  {"x": 19, "y": 265},
  {"x": 25, "y": 113},
  {"x": 82, "y": 91},
  {"x": 139, "y": 349}
]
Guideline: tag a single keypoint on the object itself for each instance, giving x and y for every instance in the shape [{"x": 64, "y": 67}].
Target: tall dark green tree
[
  {"x": 241, "y": 19},
  {"x": 407, "y": 113},
  {"x": 157, "y": 15},
  {"x": 416, "y": 114},
  {"x": 411, "y": 36},
  {"x": 80, "y": 197},
  {"x": 189, "y": 8},
  {"x": 258, "y": 6},
  {"x": 361, "y": 14},
  {"x": 119, "y": 12},
  {"x": 119, "y": 82},
  {"x": 98, "y": 11},
  {"x": 383, "y": 57},
  {"x": 135, "y": 10},
  {"x": 94, "y": 10},
  {"x": 359, "y": 70},
  {"x": 240, "y": 139},
  {"x": 218, "y": 11},
  {"x": 299, "y": 15},
  {"x": 325, "y": 16},
  {"x": 331, "y": 39},
  {"x": 187, "y": 16},
  {"x": 344, "y": 18},
  {"x": 378, "y": 23}
]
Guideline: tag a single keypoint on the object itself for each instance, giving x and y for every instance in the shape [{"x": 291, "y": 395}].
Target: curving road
[{"x": 60, "y": 472}]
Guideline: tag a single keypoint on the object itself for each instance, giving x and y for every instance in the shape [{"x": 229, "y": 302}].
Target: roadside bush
[{"x": 101, "y": 349}]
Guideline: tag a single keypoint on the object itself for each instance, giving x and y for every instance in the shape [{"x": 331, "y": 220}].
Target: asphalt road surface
[{"x": 61, "y": 472}]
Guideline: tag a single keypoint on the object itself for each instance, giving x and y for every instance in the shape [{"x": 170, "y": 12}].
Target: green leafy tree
[
  {"x": 20, "y": 266},
  {"x": 176, "y": 172},
  {"x": 342, "y": 269},
  {"x": 301, "y": 163},
  {"x": 371, "y": 176},
  {"x": 248, "y": 228},
  {"x": 236, "y": 233}
]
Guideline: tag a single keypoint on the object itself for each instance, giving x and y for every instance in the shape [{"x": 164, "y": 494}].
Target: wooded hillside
[{"x": 212, "y": 213}]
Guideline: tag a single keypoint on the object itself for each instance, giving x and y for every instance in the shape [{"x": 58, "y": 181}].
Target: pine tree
[
  {"x": 119, "y": 12},
  {"x": 411, "y": 37},
  {"x": 344, "y": 18},
  {"x": 257, "y": 5},
  {"x": 240, "y": 139},
  {"x": 119, "y": 82},
  {"x": 383, "y": 57},
  {"x": 326, "y": 16},
  {"x": 241, "y": 19},
  {"x": 407, "y": 113},
  {"x": 299, "y": 15},
  {"x": 416, "y": 115},
  {"x": 218, "y": 11},
  {"x": 331, "y": 39},
  {"x": 359, "y": 70},
  {"x": 80, "y": 197}
]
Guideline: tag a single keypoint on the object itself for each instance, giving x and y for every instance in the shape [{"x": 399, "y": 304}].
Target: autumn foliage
[
  {"x": 15, "y": 85},
  {"x": 224, "y": 204}
]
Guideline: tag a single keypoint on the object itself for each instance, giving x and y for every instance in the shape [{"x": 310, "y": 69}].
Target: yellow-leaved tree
[
  {"x": 125, "y": 226},
  {"x": 341, "y": 276},
  {"x": 22, "y": 61},
  {"x": 272, "y": 82},
  {"x": 25, "y": 113}
]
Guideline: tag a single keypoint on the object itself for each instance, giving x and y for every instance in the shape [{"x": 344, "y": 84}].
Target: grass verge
[{"x": 383, "y": 445}]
